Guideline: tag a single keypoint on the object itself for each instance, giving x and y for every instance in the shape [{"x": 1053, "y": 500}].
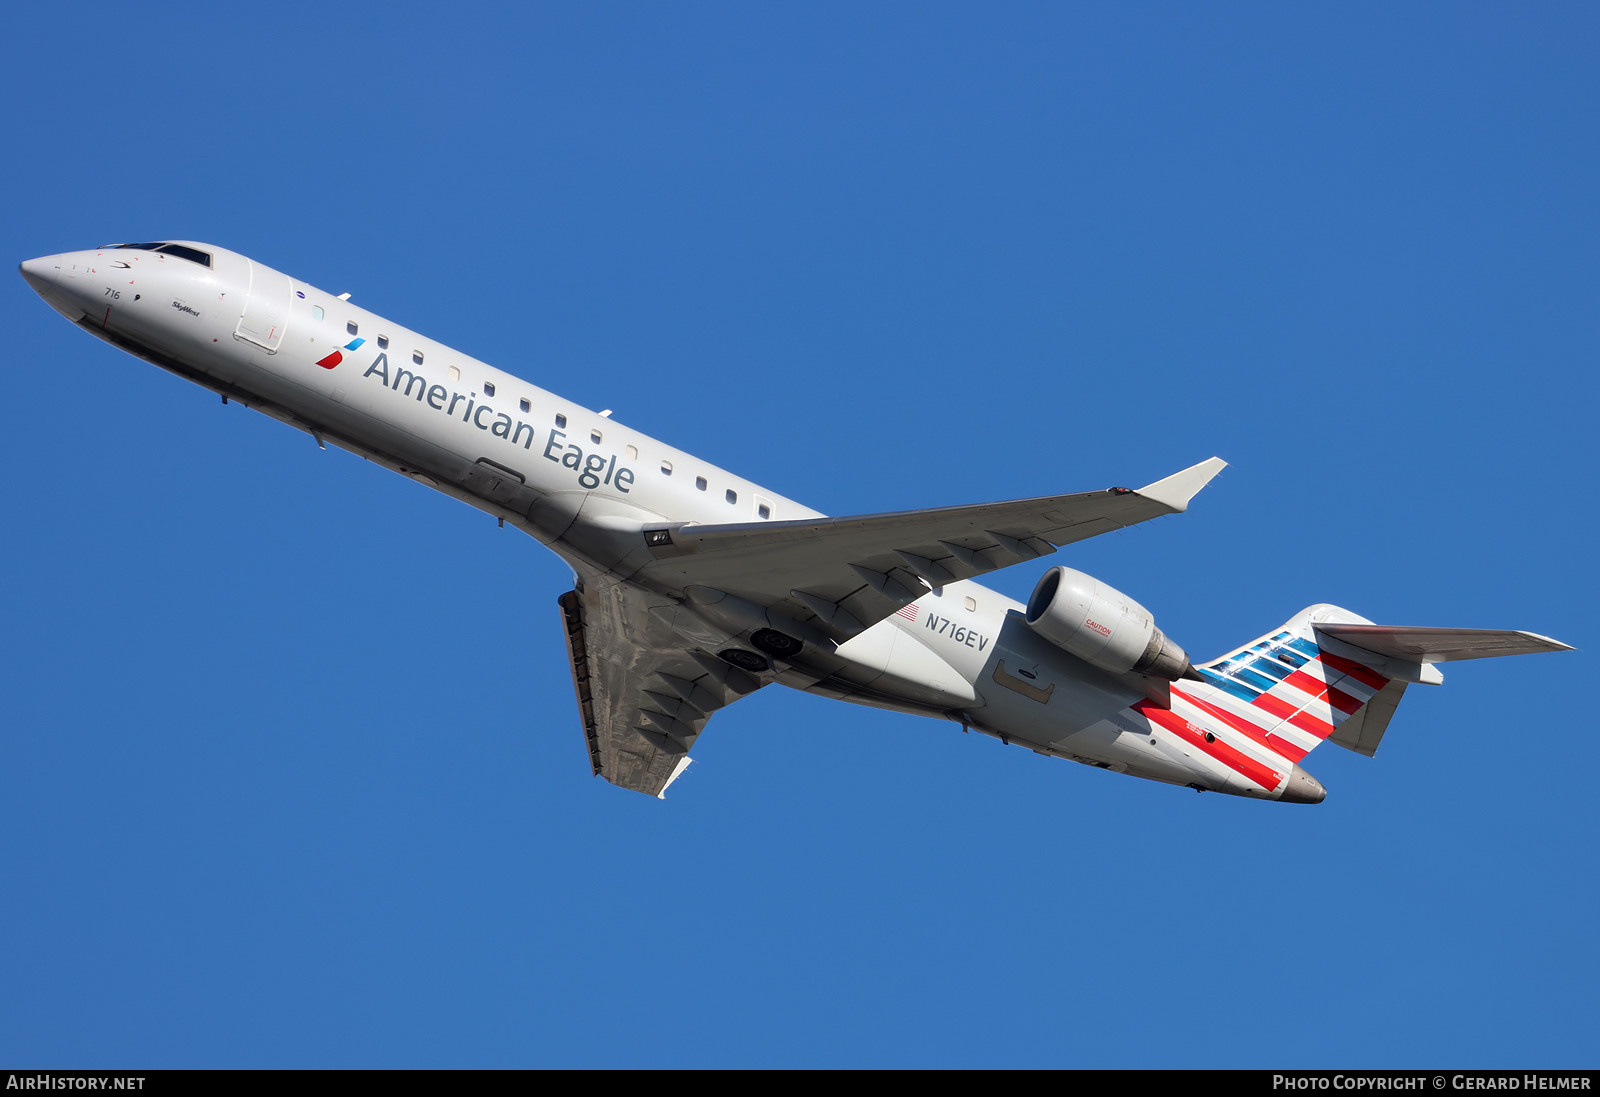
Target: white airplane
[{"x": 696, "y": 587}]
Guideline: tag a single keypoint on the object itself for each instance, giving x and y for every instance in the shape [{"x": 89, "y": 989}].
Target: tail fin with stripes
[{"x": 1329, "y": 674}]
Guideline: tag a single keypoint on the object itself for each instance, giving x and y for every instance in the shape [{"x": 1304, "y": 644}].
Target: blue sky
[{"x": 293, "y": 770}]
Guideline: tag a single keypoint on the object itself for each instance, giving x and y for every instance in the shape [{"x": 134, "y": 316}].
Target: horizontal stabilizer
[{"x": 1440, "y": 645}]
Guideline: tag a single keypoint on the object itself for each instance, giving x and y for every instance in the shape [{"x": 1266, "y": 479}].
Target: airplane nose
[
  {"x": 49, "y": 280},
  {"x": 39, "y": 273}
]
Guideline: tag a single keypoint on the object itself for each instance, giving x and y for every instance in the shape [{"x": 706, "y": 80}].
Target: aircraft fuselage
[{"x": 587, "y": 486}]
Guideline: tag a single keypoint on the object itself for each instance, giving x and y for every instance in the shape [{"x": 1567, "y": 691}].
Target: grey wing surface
[
  {"x": 839, "y": 576},
  {"x": 644, "y": 691}
]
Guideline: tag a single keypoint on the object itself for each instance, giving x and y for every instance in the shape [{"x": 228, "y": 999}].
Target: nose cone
[
  {"x": 47, "y": 276},
  {"x": 39, "y": 273}
]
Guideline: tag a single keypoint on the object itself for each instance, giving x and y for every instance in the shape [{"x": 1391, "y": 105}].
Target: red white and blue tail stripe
[
  {"x": 1326, "y": 674},
  {"x": 1260, "y": 709},
  {"x": 1285, "y": 689}
]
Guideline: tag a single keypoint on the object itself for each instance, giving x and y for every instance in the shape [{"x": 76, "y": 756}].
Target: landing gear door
[
  {"x": 499, "y": 484},
  {"x": 266, "y": 309}
]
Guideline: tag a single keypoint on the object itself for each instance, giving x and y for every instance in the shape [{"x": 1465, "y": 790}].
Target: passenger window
[
  {"x": 455, "y": 374},
  {"x": 383, "y": 342},
  {"x": 316, "y": 313},
  {"x": 488, "y": 388},
  {"x": 700, "y": 482},
  {"x": 971, "y": 603},
  {"x": 632, "y": 452},
  {"x": 594, "y": 436},
  {"x": 352, "y": 327},
  {"x": 416, "y": 356},
  {"x": 763, "y": 511},
  {"x": 731, "y": 495},
  {"x": 561, "y": 420},
  {"x": 666, "y": 468},
  {"x": 526, "y": 404}
]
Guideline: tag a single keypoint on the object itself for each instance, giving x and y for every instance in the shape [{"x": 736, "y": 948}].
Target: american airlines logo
[{"x": 338, "y": 356}]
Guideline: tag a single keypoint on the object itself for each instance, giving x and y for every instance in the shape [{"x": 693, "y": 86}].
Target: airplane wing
[
  {"x": 842, "y": 575},
  {"x": 644, "y": 692}
]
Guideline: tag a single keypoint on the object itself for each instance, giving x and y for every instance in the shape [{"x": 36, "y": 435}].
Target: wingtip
[
  {"x": 1549, "y": 643},
  {"x": 677, "y": 771},
  {"x": 1176, "y": 490}
]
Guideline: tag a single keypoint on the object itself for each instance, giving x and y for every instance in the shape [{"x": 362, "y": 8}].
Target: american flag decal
[{"x": 908, "y": 612}]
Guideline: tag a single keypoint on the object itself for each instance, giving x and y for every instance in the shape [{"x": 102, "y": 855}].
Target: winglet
[
  {"x": 677, "y": 771},
  {"x": 1176, "y": 490}
]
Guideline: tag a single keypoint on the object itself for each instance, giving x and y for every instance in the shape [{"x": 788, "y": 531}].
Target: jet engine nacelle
[{"x": 1102, "y": 626}]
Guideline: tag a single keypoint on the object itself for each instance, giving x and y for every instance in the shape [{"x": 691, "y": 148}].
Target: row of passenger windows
[{"x": 763, "y": 509}]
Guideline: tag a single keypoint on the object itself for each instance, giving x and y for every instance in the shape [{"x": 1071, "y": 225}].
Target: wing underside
[
  {"x": 644, "y": 694},
  {"x": 646, "y": 688}
]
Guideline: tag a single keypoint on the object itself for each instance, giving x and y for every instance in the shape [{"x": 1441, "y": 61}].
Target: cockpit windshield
[{"x": 180, "y": 250}]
